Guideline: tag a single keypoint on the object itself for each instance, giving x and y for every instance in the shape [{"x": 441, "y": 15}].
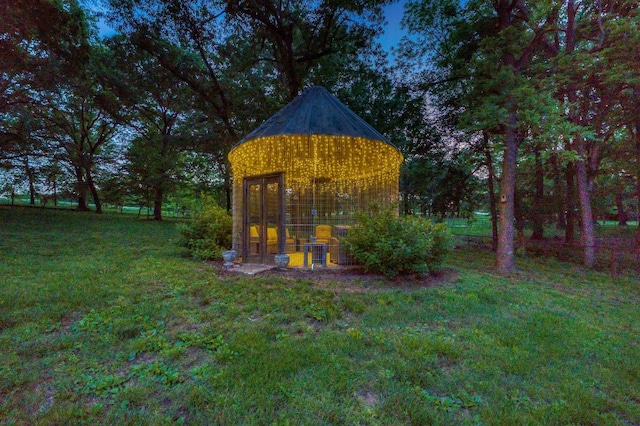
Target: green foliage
[
  {"x": 209, "y": 234},
  {"x": 387, "y": 243}
]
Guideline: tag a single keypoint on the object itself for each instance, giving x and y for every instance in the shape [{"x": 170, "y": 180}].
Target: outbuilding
[{"x": 300, "y": 177}]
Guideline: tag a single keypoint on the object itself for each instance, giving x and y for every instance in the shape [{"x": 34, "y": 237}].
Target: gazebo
[{"x": 300, "y": 177}]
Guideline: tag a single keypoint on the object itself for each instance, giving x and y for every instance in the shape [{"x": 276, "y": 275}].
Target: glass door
[{"x": 263, "y": 224}]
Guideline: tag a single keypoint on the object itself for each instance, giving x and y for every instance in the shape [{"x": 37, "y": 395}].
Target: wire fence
[{"x": 615, "y": 255}]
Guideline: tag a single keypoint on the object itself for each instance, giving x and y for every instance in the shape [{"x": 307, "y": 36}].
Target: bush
[
  {"x": 209, "y": 234},
  {"x": 385, "y": 243}
]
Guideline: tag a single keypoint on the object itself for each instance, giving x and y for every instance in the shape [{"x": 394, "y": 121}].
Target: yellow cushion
[
  {"x": 323, "y": 232},
  {"x": 253, "y": 232},
  {"x": 272, "y": 234}
]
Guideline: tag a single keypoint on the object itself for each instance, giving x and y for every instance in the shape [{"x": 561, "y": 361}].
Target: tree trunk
[
  {"x": 587, "y": 234},
  {"x": 161, "y": 171},
  {"x": 82, "y": 203},
  {"x": 31, "y": 178},
  {"x": 622, "y": 215},
  {"x": 157, "y": 204},
  {"x": 81, "y": 189},
  {"x": 94, "y": 192},
  {"x": 492, "y": 193},
  {"x": 505, "y": 251},
  {"x": 32, "y": 188},
  {"x": 405, "y": 204},
  {"x": 55, "y": 193},
  {"x": 570, "y": 230},
  {"x": 561, "y": 221},
  {"x": 505, "y": 262},
  {"x": 538, "y": 202}
]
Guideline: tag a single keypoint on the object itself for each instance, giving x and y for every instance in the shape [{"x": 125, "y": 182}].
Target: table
[{"x": 314, "y": 248}]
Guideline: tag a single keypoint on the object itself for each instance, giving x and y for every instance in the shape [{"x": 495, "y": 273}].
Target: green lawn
[
  {"x": 480, "y": 226},
  {"x": 103, "y": 320}
]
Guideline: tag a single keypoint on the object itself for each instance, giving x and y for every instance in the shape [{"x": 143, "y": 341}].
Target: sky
[
  {"x": 393, "y": 31},
  {"x": 104, "y": 30}
]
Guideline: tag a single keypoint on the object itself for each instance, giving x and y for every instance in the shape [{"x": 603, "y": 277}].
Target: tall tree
[
  {"x": 595, "y": 71},
  {"x": 295, "y": 35},
  {"x": 487, "y": 50},
  {"x": 42, "y": 43},
  {"x": 81, "y": 129},
  {"x": 82, "y": 115},
  {"x": 238, "y": 57},
  {"x": 159, "y": 106},
  {"x": 618, "y": 54}
]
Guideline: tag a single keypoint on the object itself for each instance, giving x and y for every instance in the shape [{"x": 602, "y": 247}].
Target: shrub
[
  {"x": 209, "y": 234},
  {"x": 385, "y": 243}
]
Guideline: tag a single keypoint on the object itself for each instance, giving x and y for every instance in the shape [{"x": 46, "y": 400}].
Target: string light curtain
[{"x": 334, "y": 164}]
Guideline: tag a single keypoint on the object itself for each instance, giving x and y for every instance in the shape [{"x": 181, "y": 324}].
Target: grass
[
  {"x": 169, "y": 210},
  {"x": 480, "y": 226},
  {"x": 103, "y": 320}
]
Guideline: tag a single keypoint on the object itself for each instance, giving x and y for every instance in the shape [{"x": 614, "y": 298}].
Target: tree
[
  {"x": 544, "y": 80},
  {"x": 159, "y": 108},
  {"x": 595, "y": 75},
  {"x": 38, "y": 36},
  {"x": 487, "y": 52},
  {"x": 41, "y": 44},
  {"x": 403, "y": 115},
  {"x": 81, "y": 124},
  {"x": 295, "y": 35},
  {"x": 617, "y": 54},
  {"x": 81, "y": 115},
  {"x": 237, "y": 58}
]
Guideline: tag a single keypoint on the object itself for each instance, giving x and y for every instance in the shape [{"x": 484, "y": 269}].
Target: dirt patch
[
  {"x": 353, "y": 279},
  {"x": 368, "y": 398}
]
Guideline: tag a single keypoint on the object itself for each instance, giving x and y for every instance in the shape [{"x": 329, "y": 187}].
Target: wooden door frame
[{"x": 263, "y": 181}]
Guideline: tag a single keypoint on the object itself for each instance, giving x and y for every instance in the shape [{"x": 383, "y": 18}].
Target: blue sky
[{"x": 393, "y": 31}]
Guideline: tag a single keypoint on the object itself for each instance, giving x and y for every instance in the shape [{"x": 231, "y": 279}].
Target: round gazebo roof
[
  {"x": 315, "y": 136},
  {"x": 315, "y": 112}
]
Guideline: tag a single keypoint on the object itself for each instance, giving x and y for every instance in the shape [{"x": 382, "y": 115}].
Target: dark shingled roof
[{"x": 315, "y": 112}]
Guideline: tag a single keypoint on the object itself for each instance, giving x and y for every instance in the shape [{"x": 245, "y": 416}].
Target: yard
[{"x": 104, "y": 320}]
